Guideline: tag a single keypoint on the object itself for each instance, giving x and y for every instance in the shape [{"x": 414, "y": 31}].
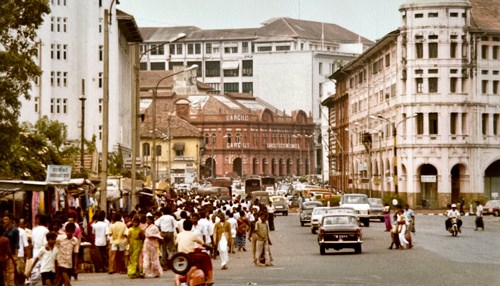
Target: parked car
[
  {"x": 305, "y": 211},
  {"x": 339, "y": 231},
  {"x": 280, "y": 205},
  {"x": 376, "y": 208},
  {"x": 492, "y": 207},
  {"x": 316, "y": 216},
  {"x": 359, "y": 202}
]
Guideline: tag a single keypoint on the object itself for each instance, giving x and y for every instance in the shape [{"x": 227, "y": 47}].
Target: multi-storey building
[
  {"x": 418, "y": 114},
  {"x": 239, "y": 132},
  {"x": 285, "y": 62},
  {"x": 71, "y": 56}
]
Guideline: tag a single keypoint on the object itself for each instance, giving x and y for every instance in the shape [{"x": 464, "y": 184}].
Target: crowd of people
[{"x": 139, "y": 244}]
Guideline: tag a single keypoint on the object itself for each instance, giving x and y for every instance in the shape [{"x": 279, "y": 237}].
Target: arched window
[
  {"x": 237, "y": 138},
  {"x": 228, "y": 138}
]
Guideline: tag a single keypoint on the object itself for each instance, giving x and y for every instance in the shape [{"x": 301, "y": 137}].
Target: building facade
[
  {"x": 285, "y": 62},
  {"x": 71, "y": 57},
  {"x": 238, "y": 133},
  {"x": 417, "y": 115}
]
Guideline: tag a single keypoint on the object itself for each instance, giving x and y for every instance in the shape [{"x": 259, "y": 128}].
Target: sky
[{"x": 371, "y": 19}]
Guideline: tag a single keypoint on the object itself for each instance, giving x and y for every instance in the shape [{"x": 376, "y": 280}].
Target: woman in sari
[
  {"x": 135, "y": 241},
  {"x": 151, "y": 261},
  {"x": 7, "y": 262}
]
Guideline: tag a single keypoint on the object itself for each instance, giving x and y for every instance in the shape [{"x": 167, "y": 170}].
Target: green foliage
[{"x": 18, "y": 25}]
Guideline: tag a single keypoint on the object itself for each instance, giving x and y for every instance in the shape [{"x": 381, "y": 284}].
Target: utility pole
[{"x": 82, "y": 131}]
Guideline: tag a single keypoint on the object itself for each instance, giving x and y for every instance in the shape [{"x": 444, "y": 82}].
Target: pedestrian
[
  {"x": 402, "y": 228},
  {"x": 118, "y": 238},
  {"x": 100, "y": 230},
  {"x": 7, "y": 262},
  {"x": 394, "y": 233},
  {"x": 387, "y": 218},
  {"x": 167, "y": 225},
  {"x": 270, "y": 212},
  {"x": 410, "y": 218},
  {"x": 47, "y": 257},
  {"x": 234, "y": 224},
  {"x": 222, "y": 233},
  {"x": 135, "y": 240},
  {"x": 479, "y": 216},
  {"x": 39, "y": 233},
  {"x": 263, "y": 241},
  {"x": 12, "y": 233},
  {"x": 23, "y": 246},
  {"x": 151, "y": 261},
  {"x": 241, "y": 231},
  {"x": 67, "y": 254}
]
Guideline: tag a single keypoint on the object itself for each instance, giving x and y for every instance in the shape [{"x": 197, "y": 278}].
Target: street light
[
  {"x": 153, "y": 115},
  {"x": 395, "y": 152},
  {"x": 309, "y": 152},
  {"x": 299, "y": 137},
  {"x": 135, "y": 109}
]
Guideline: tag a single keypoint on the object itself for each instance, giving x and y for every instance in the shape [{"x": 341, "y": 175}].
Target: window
[
  {"x": 37, "y": 103},
  {"x": 231, "y": 48},
  {"x": 190, "y": 49},
  {"x": 158, "y": 150},
  {"x": 484, "y": 124},
  {"x": 420, "y": 83},
  {"x": 419, "y": 48},
  {"x": 175, "y": 49},
  {"x": 52, "y": 78},
  {"x": 247, "y": 68},
  {"x": 65, "y": 106},
  {"x": 58, "y": 78},
  {"x": 231, "y": 87},
  {"x": 212, "y": 69},
  {"x": 433, "y": 123},
  {"x": 65, "y": 52},
  {"x": 320, "y": 68},
  {"x": 387, "y": 60},
  {"x": 58, "y": 24},
  {"x": 244, "y": 47},
  {"x": 495, "y": 123},
  {"x": 495, "y": 87},
  {"x": 454, "y": 14},
  {"x": 52, "y": 50},
  {"x": 100, "y": 105},
  {"x": 158, "y": 50},
  {"x": 52, "y": 101},
  {"x": 208, "y": 48},
  {"x": 432, "y": 71},
  {"x": 65, "y": 22},
  {"x": 101, "y": 51},
  {"x": 433, "y": 84},
  {"x": 484, "y": 86},
  {"x": 453, "y": 123},
  {"x": 58, "y": 105},
  {"x": 419, "y": 15},
  {"x": 58, "y": 52},
  {"x": 495, "y": 52},
  {"x": 264, "y": 49},
  {"x": 228, "y": 138},
  {"x": 197, "y": 49},
  {"x": 433, "y": 50},
  {"x": 484, "y": 52},
  {"x": 65, "y": 79},
  {"x": 420, "y": 123},
  {"x": 231, "y": 73},
  {"x": 453, "y": 50},
  {"x": 432, "y": 15},
  {"x": 52, "y": 23},
  {"x": 453, "y": 84},
  {"x": 100, "y": 80},
  {"x": 283, "y": 48},
  {"x": 198, "y": 70},
  {"x": 158, "y": 66},
  {"x": 146, "y": 150},
  {"x": 100, "y": 132},
  {"x": 248, "y": 87}
]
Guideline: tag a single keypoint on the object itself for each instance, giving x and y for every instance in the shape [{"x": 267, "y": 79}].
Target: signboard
[
  {"x": 58, "y": 173},
  {"x": 127, "y": 162},
  {"x": 428, "y": 179}
]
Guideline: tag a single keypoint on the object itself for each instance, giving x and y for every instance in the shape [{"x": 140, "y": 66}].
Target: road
[{"x": 437, "y": 259}]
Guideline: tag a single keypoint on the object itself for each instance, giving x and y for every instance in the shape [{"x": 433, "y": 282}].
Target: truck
[{"x": 359, "y": 202}]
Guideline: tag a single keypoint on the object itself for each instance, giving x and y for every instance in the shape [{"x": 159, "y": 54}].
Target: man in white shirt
[
  {"x": 453, "y": 213},
  {"x": 205, "y": 225},
  {"x": 167, "y": 225},
  {"x": 38, "y": 234},
  {"x": 100, "y": 231},
  {"x": 479, "y": 216},
  {"x": 23, "y": 244}
]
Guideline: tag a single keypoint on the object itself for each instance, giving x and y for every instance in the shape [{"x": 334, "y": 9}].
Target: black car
[{"x": 339, "y": 231}]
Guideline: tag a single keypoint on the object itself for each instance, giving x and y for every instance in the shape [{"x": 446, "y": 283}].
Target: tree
[{"x": 18, "y": 48}]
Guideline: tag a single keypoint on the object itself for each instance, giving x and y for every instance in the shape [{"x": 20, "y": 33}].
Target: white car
[
  {"x": 358, "y": 202},
  {"x": 316, "y": 217}
]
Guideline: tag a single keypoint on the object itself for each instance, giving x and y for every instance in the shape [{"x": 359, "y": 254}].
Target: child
[
  {"x": 67, "y": 254},
  {"x": 47, "y": 258}
]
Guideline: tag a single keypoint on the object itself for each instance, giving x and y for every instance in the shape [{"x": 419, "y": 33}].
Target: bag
[{"x": 242, "y": 227}]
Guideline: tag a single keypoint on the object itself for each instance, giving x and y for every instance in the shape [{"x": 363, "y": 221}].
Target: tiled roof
[
  {"x": 293, "y": 28},
  {"x": 486, "y": 14},
  {"x": 178, "y": 127}
]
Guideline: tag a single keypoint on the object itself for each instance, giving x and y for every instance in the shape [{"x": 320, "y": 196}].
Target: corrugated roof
[
  {"x": 162, "y": 34},
  {"x": 222, "y": 34}
]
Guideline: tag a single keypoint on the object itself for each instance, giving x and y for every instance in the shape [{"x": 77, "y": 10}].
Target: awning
[
  {"x": 232, "y": 65},
  {"x": 179, "y": 146}
]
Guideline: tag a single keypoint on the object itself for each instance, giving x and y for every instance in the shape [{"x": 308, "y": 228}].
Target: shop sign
[
  {"x": 237, "y": 117},
  {"x": 428, "y": 179},
  {"x": 58, "y": 173}
]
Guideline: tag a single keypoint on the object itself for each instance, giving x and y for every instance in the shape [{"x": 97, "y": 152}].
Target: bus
[
  {"x": 253, "y": 184},
  {"x": 268, "y": 182},
  {"x": 223, "y": 182}
]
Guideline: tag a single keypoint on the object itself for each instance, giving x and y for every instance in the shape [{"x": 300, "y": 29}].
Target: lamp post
[
  {"x": 309, "y": 152},
  {"x": 135, "y": 109},
  {"x": 82, "y": 131},
  {"x": 153, "y": 115},
  {"x": 395, "y": 152},
  {"x": 299, "y": 139}
]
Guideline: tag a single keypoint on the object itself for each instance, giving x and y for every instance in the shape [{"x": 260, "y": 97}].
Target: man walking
[
  {"x": 263, "y": 241},
  {"x": 166, "y": 223},
  {"x": 100, "y": 230}
]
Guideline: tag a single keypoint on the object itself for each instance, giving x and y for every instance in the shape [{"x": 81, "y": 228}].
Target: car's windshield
[
  {"x": 341, "y": 211},
  {"x": 355, "y": 200},
  {"x": 278, "y": 200},
  {"x": 375, "y": 202},
  {"x": 319, "y": 211},
  {"x": 338, "y": 220}
]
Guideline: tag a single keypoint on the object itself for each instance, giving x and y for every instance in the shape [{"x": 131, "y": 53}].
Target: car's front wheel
[
  {"x": 313, "y": 230},
  {"x": 322, "y": 249},
  {"x": 496, "y": 213}
]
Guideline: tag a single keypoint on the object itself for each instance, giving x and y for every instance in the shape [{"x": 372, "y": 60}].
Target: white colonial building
[
  {"x": 429, "y": 94},
  {"x": 286, "y": 62},
  {"x": 71, "y": 58}
]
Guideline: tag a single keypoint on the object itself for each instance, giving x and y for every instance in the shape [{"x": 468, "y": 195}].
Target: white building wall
[{"x": 83, "y": 36}]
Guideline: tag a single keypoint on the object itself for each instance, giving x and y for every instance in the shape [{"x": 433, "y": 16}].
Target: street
[{"x": 436, "y": 259}]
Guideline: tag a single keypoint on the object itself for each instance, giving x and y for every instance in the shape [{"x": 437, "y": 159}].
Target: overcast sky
[{"x": 369, "y": 18}]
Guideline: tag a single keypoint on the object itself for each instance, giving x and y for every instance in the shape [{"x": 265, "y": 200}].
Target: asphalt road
[{"x": 472, "y": 258}]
